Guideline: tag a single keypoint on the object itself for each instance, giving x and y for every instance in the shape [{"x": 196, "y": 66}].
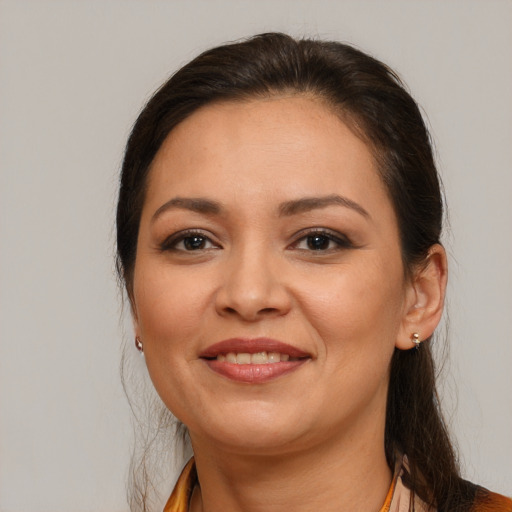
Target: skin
[{"x": 312, "y": 439}]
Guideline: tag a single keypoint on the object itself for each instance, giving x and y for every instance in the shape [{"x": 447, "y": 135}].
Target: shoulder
[{"x": 487, "y": 501}]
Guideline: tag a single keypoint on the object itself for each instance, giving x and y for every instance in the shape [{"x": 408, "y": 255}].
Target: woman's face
[{"x": 269, "y": 291}]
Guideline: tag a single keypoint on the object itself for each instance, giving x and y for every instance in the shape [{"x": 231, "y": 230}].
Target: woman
[{"x": 278, "y": 224}]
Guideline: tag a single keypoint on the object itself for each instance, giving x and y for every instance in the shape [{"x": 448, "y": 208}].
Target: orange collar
[{"x": 180, "y": 497}]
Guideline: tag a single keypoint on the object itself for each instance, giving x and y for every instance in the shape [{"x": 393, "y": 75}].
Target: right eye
[{"x": 188, "y": 241}]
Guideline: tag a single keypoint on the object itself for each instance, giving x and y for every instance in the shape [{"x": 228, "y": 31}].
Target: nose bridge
[{"x": 252, "y": 284}]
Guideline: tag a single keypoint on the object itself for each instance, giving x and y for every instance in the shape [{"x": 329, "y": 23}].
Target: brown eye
[
  {"x": 194, "y": 243},
  {"x": 188, "y": 241},
  {"x": 318, "y": 242},
  {"x": 322, "y": 241}
]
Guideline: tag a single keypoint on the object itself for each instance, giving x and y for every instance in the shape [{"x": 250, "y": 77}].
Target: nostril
[
  {"x": 263, "y": 312},
  {"x": 252, "y": 301},
  {"x": 267, "y": 310}
]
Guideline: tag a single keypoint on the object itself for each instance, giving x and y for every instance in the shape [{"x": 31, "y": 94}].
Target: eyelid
[
  {"x": 341, "y": 239},
  {"x": 169, "y": 243}
]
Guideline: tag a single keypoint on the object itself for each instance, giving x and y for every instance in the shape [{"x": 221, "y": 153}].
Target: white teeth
[
  {"x": 243, "y": 358},
  {"x": 274, "y": 357},
  {"x": 257, "y": 358}
]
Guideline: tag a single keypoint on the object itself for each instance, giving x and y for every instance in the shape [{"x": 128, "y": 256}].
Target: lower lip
[{"x": 253, "y": 373}]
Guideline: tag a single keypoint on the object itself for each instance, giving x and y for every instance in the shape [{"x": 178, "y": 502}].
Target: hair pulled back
[{"x": 373, "y": 102}]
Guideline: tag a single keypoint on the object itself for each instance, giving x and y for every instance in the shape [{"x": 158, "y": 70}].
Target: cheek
[
  {"x": 356, "y": 306},
  {"x": 170, "y": 307}
]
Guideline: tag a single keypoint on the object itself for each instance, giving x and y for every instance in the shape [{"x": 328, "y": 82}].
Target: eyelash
[
  {"x": 341, "y": 241},
  {"x": 171, "y": 243}
]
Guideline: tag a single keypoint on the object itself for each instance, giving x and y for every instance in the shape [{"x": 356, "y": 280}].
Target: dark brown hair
[{"x": 373, "y": 101}]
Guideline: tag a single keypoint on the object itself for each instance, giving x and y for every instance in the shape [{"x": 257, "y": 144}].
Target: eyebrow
[
  {"x": 286, "y": 209},
  {"x": 307, "y": 204},
  {"x": 194, "y": 204}
]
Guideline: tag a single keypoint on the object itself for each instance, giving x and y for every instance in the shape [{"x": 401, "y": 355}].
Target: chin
[{"x": 255, "y": 433}]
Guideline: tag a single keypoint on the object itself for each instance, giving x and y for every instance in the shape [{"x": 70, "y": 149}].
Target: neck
[{"x": 349, "y": 474}]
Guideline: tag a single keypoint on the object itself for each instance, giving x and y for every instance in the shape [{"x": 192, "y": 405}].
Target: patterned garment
[{"x": 399, "y": 498}]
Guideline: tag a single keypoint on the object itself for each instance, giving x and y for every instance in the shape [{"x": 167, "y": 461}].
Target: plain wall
[{"x": 73, "y": 76}]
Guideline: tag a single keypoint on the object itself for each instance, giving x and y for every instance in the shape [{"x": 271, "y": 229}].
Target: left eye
[
  {"x": 194, "y": 243},
  {"x": 188, "y": 242},
  {"x": 321, "y": 241}
]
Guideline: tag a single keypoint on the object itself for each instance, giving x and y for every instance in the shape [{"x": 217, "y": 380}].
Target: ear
[
  {"x": 135, "y": 322},
  {"x": 133, "y": 311},
  {"x": 424, "y": 299}
]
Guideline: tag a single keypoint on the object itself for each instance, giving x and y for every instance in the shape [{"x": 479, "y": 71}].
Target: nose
[{"x": 252, "y": 288}]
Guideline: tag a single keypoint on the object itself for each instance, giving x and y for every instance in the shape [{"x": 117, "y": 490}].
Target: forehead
[{"x": 270, "y": 148}]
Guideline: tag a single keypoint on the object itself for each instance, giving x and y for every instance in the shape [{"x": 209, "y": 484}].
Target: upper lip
[{"x": 251, "y": 346}]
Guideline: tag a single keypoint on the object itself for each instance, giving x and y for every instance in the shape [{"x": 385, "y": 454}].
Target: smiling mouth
[
  {"x": 253, "y": 361},
  {"x": 256, "y": 358}
]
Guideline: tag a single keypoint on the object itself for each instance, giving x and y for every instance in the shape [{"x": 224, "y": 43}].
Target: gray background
[{"x": 74, "y": 74}]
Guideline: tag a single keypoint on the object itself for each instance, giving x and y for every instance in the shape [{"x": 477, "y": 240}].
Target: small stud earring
[
  {"x": 415, "y": 338},
  {"x": 138, "y": 344}
]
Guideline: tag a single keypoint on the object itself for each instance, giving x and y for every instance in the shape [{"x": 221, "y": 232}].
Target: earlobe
[{"x": 424, "y": 302}]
